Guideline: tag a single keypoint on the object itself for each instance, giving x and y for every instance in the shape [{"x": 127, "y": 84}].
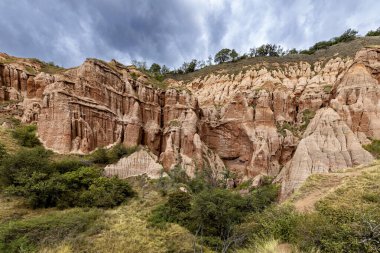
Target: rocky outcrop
[
  {"x": 358, "y": 93},
  {"x": 256, "y": 120},
  {"x": 328, "y": 144},
  {"x": 139, "y": 163}
]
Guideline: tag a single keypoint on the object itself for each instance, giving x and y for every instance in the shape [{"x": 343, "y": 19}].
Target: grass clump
[
  {"x": 373, "y": 148},
  {"x": 27, "y": 235}
]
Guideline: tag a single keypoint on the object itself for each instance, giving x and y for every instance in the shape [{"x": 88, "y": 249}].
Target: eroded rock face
[
  {"x": 253, "y": 122},
  {"x": 139, "y": 163},
  {"x": 358, "y": 93},
  {"x": 328, "y": 144}
]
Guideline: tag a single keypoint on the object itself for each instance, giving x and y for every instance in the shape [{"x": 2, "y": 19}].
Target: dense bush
[
  {"x": 66, "y": 183},
  {"x": 26, "y": 135},
  {"x": 175, "y": 210},
  {"x": 211, "y": 213},
  {"x": 17, "y": 168},
  {"x": 25, "y": 235},
  {"x": 264, "y": 196}
]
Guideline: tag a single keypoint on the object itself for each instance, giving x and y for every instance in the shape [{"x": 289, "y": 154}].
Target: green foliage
[
  {"x": 83, "y": 187},
  {"x": 50, "y": 68},
  {"x": 293, "y": 51},
  {"x": 216, "y": 211},
  {"x": 264, "y": 196},
  {"x": 347, "y": 36},
  {"x": 286, "y": 126},
  {"x": 267, "y": 50},
  {"x": 27, "y": 235},
  {"x": 3, "y": 152},
  {"x": 307, "y": 116},
  {"x": 223, "y": 55},
  {"x": 233, "y": 55},
  {"x": 105, "y": 192},
  {"x": 373, "y": 148},
  {"x": 69, "y": 164},
  {"x": 29, "y": 173},
  {"x": 99, "y": 156},
  {"x": 16, "y": 169},
  {"x": 176, "y": 209},
  {"x": 106, "y": 156},
  {"x": 374, "y": 33},
  {"x": 26, "y": 135},
  {"x": 134, "y": 76},
  {"x": 155, "y": 68},
  {"x": 141, "y": 65}
]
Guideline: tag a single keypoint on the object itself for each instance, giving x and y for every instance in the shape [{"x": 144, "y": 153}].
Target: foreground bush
[
  {"x": 26, "y": 135},
  {"x": 25, "y": 235},
  {"x": 30, "y": 173}
]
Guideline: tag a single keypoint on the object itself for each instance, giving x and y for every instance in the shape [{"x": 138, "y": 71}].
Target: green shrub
[
  {"x": 99, "y": 156},
  {"x": 374, "y": 33},
  {"x": 216, "y": 211},
  {"x": 26, "y": 135},
  {"x": 286, "y": 126},
  {"x": 67, "y": 183},
  {"x": 264, "y": 196},
  {"x": 27, "y": 235},
  {"x": 69, "y": 164},
  {"x": 176, "y": 209},
  {"x": 347, "y": 36},
  {"x": 106, "y": 192},
  {"x": 373, "y": 148},
  {"x": 16, "y": 169}
]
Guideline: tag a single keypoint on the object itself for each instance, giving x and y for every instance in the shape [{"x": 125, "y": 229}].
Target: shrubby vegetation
[
  {"x": 347, "y": 36},
  {"x": 210, "y": 211},
  {"x": 265, "y": 50},
  {"x": 69, "y": 182},
  {"x": 374, "y": 33},
  {"x": 26, "y": 135},
  {"x": 30, "y": 173}
]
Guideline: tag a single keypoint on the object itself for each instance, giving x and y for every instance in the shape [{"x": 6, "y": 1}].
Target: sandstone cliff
[{"x": 285, "y": 119}]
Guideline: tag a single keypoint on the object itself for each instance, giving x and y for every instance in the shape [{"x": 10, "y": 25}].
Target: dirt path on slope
[{"x": 331, "y": 181}]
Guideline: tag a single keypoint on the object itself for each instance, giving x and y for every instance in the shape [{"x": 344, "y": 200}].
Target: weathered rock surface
[
  {"x": 253, "y": 122},
  {"x": 328, "y": 144},
  {"x": 139, "y": 163}
]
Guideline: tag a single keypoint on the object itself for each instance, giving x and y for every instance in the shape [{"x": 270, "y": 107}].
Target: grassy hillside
[{"x": 345, "y": 49}]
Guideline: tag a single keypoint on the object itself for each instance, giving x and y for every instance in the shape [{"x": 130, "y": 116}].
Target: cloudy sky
[{"x": 171, "y": 31}]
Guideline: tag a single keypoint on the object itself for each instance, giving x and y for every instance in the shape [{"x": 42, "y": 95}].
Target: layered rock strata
[{"x": 253, "y": 122}]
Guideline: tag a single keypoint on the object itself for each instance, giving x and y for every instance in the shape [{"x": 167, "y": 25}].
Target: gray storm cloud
[{"x": 168, "y": 31}]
